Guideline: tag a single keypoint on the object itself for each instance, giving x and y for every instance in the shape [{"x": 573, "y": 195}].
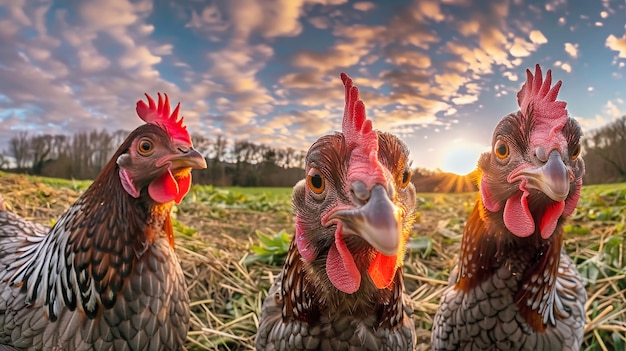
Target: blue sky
[{"x": 440, "y": 74}]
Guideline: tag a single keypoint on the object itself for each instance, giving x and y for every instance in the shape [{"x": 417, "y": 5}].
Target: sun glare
[{"x": 461, "y": 158}]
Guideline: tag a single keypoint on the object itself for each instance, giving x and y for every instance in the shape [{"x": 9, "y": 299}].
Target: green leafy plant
[{"x": 272, "y": 248}]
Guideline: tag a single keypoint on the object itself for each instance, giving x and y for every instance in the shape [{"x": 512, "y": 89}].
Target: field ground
[{"x": 231, "y": 241}]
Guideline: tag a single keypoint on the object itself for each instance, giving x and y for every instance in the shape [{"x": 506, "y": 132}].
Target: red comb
[
  {"x": 356, "y": 127},
  {"x": 537, "y": 97},
  {"x": 160, "y": 115},
  {"x": 360, "y": 136}
]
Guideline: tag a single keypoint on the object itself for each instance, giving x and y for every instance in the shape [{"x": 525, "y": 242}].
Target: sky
[{"x": 439, "y": 74}]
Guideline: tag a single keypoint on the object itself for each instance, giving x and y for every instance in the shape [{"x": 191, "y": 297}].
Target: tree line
[
  {"x": 83, "y": 154},
  {"x": 243, "y": 163},
  {"x": 604, "y": 152}
]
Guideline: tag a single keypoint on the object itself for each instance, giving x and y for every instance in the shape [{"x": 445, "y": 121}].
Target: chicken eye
[
  {"x": 406, "y": 177},
  {"x": 315, "y": 181},
  {"x": 575, "y": 152},
  {"x": 501, "y": 149},
  {"x": 145, "y": 147}
]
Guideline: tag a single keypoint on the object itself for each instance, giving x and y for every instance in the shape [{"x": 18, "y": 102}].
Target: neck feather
[
  {"x": 109, "y": 230},
  {"x": 488, "y": 246}
]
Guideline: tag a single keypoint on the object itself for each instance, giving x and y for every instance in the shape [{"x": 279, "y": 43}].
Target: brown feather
[
  {"x": 518, "y": 290},
  {"x": 104, "y": 277},
  {"x": 303, "y": 310}
]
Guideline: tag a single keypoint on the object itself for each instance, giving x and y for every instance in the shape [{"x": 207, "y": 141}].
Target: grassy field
[{"x": 231, "y": 243}]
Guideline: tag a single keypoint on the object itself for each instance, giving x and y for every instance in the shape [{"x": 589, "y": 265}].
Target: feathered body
[
  {"x": 341, "y": 287},
  {"x": 105, "y": 276},
  {"x": 515, "y": 288}
]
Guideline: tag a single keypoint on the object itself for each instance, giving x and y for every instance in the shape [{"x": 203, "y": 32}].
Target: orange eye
[
  {"x": 575, "y": 152},
  {"x": 315, "y": 181},
  {"x": 145, "y": 146},
  {"x": 406, "y": 177},
  {"x": 501, "y": 149}
]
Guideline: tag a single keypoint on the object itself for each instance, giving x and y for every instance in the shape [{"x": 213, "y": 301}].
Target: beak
[
  {"x": 379, "y": 221},
  {"x": 187, "y": 158},
  {"x": 552, "y": 178}
]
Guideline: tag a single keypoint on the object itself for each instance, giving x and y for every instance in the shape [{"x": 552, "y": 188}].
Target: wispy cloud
[
  {"x": 571, "y": 49},
  {"x": 617, "y": 44},
  {"x": 268, "y": 70}
]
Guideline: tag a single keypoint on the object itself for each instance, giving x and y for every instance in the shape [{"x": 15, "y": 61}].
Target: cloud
[
  {"x": 364, "y": 6},
  {"x": 521, "y": 48},
  {"x": 236, "y": 67},
  {"x": 537, "y": 37},
  {"x": 209, "y": 20},
  {"x": 319, "y": 22},
  {"x": 511, "y": 76},
  {"x": 428, "y": 9},
  {"x": 243, "y": 19},
  {"x": 268, "y": 70},
  {"x": 99, "y": 15},
  {"x": 409, "y": 58},
  {"x": 408, "y": 27},
  {"x": 564, "y": 66},
  {"x": 611, "y": 111},
  {"x": 617, "y": 44},
  {"x": 353, "y": 44},
  {"x": 571, "y": 49},
  {"x": 555, "y": 5},
  {"x": 83, "y": 88}
]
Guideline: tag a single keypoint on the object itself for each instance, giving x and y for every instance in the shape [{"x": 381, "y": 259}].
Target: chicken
[
  {"x": 341, "y": 286},
  {"x": 515, "y": 288},
  {"x": 105, "y": 276}
]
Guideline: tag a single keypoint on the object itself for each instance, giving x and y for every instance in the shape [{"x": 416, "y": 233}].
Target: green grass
[
  {"x": 256, "y": 199},
  {"x": 283, "y": 193},
  {"x": 57, "y": 183},
  {"x": 231, "y": 281}
]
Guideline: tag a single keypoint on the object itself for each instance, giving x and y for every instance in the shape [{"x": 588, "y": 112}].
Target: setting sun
[{"x": 461, "y": 157}]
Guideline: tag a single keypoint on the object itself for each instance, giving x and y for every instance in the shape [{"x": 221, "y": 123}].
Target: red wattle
[
  {"x": 164, "y": 188},
  {"x": 551, "y": 218},
  {"x": 340, "y": 266},
  {"x": 517, "y": 217},
  {"x": 382, "y": 270},
  {"x": 184, "y": 185}
]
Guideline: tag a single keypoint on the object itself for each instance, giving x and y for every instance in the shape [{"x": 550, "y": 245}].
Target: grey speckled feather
[
  {"x": 331, "y": 329},
  {"x": 514, "y": 287},
  {"x": 105, "y": 276},
  {"x": 487, "y": 318},
  {"x": 304, "y": 311},
  {"x": 150, "y": 312},
  {"x": 341, "y": 287}
]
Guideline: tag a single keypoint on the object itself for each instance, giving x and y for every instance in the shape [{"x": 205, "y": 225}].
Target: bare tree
[
  {"x": 220, "y": 148},
  {"x": 60, "y": 146},
  {"x": 83, "y": 155},
  {"x": 119, "y": 136},
  {"x": 202, "y": 144},
  {"x": 604, "y": 153},
  {"x": 40, "y": 148},
  {"x": 269, "y": 155},
  {"x": 102, "y": 144},
  {"x": 219, "y": 151},
  {"x": 299, "y": 159},
  {"x": 19, "y": 147}
]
